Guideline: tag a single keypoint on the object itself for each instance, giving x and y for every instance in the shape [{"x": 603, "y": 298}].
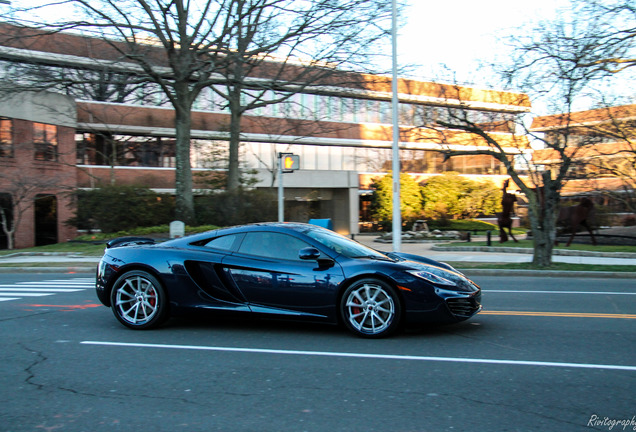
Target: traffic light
[{"x": 290, "y": 162}]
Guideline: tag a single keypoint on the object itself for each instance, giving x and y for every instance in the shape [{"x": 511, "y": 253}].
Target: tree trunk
[
  {"x": 184, "y": 202},
  {"x": 5, "y": 227},
  {"x": 233, "y": 172},
  {"x": 543, "y": 238},
  {"x": 543, "y": 211}
]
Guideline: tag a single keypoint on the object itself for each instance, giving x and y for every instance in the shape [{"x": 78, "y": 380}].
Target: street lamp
[{"x": 397, "y": 215}]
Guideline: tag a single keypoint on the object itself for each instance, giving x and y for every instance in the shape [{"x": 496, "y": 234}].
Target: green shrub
[
  {"x": 160, "y": 231},
  {"x": 121, "y": 208},
  {"x": 236, "y": 208},
  {"x": 452, "y": 196},
  {"x": 461, "y": 225}
]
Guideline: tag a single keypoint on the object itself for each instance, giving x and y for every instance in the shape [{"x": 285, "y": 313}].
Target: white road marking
[
  {"x": 560, "y": 292},
  {"x": 55, "y": 282},
  {"x": 14, "y": 288},
  {"x": 368, "y": 356},
  {"x": 44, "y": 288}
]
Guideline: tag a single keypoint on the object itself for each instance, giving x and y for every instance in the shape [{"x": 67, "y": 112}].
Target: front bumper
[
  {"x": 446, "y": 307},
  {"x": 465, "y": 306}
]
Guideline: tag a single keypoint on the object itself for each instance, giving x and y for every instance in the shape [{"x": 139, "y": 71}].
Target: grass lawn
[
  {"x": 528, "y": 244},
  {"x": 462, "y": 265}
]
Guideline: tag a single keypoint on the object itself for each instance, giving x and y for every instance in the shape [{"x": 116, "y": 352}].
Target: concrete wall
[
  {"x": 41, "y": 107},
  {"x": 334, "y": 195}
]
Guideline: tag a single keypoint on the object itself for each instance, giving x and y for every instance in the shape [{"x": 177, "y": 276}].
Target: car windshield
[{"x": 343, "y": 245}]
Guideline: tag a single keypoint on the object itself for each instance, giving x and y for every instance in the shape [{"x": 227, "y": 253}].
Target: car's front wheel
[
  {"x": 371, "y": 308},
  {"x": 138, "y": 300}
]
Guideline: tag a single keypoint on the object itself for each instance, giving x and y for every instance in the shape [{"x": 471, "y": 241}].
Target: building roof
[
  {"x": 68, "y": 49},
  {"x": 588, "y": 118}
]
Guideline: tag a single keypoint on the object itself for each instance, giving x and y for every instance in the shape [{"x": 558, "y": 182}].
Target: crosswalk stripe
[
  {"x": 74, "y": 281},
  {"x": 40, "y": 289},
  {"x": 33, "y": 285},
  {"x": 44, "y": 288},
  {"x": 53, "y": 283}
]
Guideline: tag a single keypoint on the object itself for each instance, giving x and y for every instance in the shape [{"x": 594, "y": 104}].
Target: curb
[
  {"x": 60, "y": 269},
  {"x": 548, "y": 273},
  {"x": 562, "y": 252}
]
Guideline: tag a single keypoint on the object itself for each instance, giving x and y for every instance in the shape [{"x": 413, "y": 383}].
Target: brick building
[
  {"x": 603, "y": 151},
  {"x": 341, "y": 130},
  {"x": 37, "y": 166}
]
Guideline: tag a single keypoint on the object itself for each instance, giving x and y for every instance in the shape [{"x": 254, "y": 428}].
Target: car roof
[{"x": 269, "y": 226}]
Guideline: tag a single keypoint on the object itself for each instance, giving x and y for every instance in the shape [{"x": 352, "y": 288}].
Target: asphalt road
[{"x": 546, "y": 354}]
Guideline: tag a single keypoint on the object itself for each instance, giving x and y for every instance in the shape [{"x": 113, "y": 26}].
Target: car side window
[
  {"x": 224, "y": 242},
  {"x": 272, "y": 245}
]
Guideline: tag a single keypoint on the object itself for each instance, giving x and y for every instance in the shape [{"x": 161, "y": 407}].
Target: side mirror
[
  {"x": 309, "y": 253},
  {"x": 313, "y": 254}
]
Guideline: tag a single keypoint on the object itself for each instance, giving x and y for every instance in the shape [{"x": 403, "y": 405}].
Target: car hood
[{"x": 443, "y": 270}]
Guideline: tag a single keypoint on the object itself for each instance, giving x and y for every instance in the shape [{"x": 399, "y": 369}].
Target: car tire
[
  {"x": 138, "y": 300},
  {"x": 371, "y": 308}
]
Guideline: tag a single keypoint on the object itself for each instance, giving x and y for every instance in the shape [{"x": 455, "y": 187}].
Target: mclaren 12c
[{"x": 282, "y": 270}]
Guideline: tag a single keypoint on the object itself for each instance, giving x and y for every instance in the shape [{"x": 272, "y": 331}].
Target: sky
[
  {"x": 456, "y": 35},
  {"x": 447, "y": 39},
  {"x": 461, "y": 33}
]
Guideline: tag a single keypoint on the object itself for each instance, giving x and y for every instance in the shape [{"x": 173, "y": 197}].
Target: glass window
[
  {"x": 386, "y": 112},
  {"x": 223, "y": 243},
  {"x": 45, "y": 141},
  {"x": 322, "y": 158},
  {"x": 348, "y": 159},
  {"x": 126, "y": 150},
  {"x": 6, "y": 137},
  {"x": 272, "y": 245},
  {"x": 341, "y": 244}
]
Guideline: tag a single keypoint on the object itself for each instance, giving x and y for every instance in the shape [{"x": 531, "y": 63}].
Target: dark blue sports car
[{"x": 292, "y": 270}]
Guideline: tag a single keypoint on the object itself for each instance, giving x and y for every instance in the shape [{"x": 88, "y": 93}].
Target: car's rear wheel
[
  {"x": 371, "y": 308},
  {"x": 138, "y": 300}
]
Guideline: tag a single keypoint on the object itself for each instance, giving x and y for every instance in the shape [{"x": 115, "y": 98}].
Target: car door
[{"x": 268, "y": 272}]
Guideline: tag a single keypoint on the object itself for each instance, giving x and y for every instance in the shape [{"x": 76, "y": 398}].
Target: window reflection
[
  {"x": 45, "y": 141},
  {"x": 6, "y": 137}
]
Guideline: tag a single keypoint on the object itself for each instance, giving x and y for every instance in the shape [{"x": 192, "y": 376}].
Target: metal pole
[
  {"x": 397, "y": 215},
  {"x": 281, "y": 196}
]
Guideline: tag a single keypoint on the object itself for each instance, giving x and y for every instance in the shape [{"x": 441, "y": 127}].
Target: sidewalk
[
  {"x": 49, "y": 262},
  {"x": 497, "y": 253}
]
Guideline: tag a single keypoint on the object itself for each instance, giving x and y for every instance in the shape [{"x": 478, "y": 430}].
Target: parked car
[{"x": 286, "y": 270}]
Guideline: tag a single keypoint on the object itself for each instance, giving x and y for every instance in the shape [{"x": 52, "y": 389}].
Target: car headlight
[{"x": 431, "y": 277}]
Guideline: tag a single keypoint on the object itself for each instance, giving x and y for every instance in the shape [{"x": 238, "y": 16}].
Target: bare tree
[
  {"x": 614, "y": 22},
  {"x": 22, "y": 190},
  {"x": 605, "y": 150},
  {"x": 235, "y": 46},
  {"x": 559, "y": 64},
  {"x": 281, "y": 48}
]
